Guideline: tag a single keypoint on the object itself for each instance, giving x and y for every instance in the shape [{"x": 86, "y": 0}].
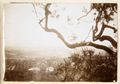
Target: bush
[{"x": 88, "y": 66}]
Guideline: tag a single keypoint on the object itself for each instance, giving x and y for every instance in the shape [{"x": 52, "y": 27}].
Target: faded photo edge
[{"x": 2, "y": 58}]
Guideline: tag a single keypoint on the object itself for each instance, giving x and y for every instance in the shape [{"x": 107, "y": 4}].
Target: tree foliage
[
  {"x": 105, "y": 15},
  {"x": 88, "y": 66}
]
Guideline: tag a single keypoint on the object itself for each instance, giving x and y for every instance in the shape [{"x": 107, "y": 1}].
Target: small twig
[
  {"x": 40, "y": 22},
  {"x": 35, "y": 9},
  {"x": 84, "y": 15},
  {"x": 88, "y": 34}
]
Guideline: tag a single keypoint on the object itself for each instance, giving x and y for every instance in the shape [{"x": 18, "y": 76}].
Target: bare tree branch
[
  {"x": 108, "y": 26},
  {"x": 74, "y": 45},
  {"x": 110, "y": 39},
  {"x": 35, "y": 9},
  {"x": 85, "y": 14},
  {"x": 104, "y": 37},
  {"x": 102, "y": 14}
]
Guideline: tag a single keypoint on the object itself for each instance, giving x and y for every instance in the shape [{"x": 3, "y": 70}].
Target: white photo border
[{"x": 2, "y": 58}]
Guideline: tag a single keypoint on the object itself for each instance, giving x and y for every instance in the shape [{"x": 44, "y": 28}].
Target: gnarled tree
[{"x": 104, "y": 12}]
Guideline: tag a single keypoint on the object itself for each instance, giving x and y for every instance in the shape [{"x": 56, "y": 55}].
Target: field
[{"x": 20, "y": 68}]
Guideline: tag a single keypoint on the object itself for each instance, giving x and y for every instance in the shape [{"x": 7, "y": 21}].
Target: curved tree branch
[
  {"x": 106, "y": 26},
  {"x": 110, "y": 39},
  {"x": 102, "y": 47},
  {"x": 74, "y": 45},
  {"x": 113, "y": 28},
  {"x": 104, "y": 37}
]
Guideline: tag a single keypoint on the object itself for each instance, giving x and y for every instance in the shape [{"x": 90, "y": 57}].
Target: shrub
[{"x": 88, "y": 66}]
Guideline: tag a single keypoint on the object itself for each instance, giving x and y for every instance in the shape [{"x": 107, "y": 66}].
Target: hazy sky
[{"x": 22, "y": 29}]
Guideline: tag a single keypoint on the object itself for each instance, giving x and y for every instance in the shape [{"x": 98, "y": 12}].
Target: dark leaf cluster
[{"x": 105, "y": 10}]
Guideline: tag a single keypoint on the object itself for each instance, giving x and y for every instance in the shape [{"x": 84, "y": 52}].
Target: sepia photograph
[{"x": 60, "y": 42}]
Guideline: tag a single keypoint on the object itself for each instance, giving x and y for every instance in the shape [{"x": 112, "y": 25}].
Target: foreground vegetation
[
  {"x": 88, "y": 67},
  {"x": 80, "y": 66}
]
